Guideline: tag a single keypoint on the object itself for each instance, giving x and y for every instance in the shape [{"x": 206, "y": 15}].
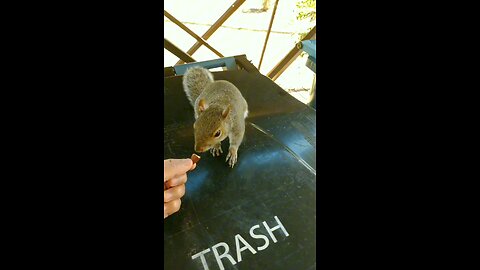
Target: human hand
[{"x": 174, "y": 179}]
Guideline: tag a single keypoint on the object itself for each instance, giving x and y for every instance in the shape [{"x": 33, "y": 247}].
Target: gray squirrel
[{"x": 220, "y": 112}]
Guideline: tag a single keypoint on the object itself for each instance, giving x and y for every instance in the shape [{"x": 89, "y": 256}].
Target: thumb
[{"x": 174, "y": 167}]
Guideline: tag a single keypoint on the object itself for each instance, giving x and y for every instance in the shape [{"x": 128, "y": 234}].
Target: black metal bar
[
  {"x": 176, "y": 51},
  {"x": 169, "y": 72},
  {"x": 245, "y": 64}
]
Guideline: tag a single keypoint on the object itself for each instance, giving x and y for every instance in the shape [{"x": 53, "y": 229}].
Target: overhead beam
[
  {"x": 214, "y": 27},
  {"x": 186, "y": 29},
  {"x": 290, "y": 57}
]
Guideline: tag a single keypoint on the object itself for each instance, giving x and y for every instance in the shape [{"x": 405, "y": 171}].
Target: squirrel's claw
[
  {"x": 232, "y": 157},
  {"x": 216, "y": 150}
]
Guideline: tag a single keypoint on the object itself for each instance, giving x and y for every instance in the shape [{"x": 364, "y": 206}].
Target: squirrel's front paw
[
  {"x": 232, "y": 156},
  {"x": 216, "y": 150}
]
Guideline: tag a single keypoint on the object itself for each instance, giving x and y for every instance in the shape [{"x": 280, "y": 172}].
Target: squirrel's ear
[
  {"x": 201, "y": 105},
  {"x": 226, "y": 111}
]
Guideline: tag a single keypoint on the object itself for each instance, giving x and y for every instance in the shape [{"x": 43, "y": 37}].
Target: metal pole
[
  {"x": 313, "y": 93},
  {"x": 268, "y": 33}
]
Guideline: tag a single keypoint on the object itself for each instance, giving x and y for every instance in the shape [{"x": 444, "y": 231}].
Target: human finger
[
  {"x": 176, "y": 181},
  {"x": 171, "y": 207},
  {"x": 173, "y": 167},
  {"x": 173, "y": 193}
]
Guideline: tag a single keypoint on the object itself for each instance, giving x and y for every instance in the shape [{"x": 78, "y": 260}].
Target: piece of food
[{"x": 195, "y": 158}]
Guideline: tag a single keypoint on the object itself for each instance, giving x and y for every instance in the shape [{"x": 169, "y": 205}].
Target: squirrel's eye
[{"x": 217, "y": 134}]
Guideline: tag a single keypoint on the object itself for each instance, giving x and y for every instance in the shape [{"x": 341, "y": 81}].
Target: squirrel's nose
[{"x": 199, "y": 149}]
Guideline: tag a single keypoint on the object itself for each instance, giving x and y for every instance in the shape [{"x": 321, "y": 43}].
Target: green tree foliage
[{"x": 307, "y": 10}]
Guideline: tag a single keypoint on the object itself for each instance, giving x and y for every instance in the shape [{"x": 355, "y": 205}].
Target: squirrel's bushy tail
[{"x": 194, "y": 81}]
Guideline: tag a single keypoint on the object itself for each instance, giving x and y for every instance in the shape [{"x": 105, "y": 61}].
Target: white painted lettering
[
  {"x": 239, "y": 250},
  {"x": 259, "y": 236},
  {"x": 202, "y": 257},
  {"x": 270, "y": 231},
  {"x": 224, "y": 255}
]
